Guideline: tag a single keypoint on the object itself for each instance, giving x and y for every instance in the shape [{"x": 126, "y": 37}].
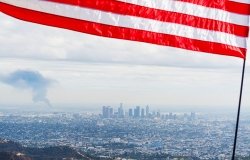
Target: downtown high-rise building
[
  {"x": 137, "y": 112},
  {"x": 147, "y": 111},
  {"x": 142, "y": 113},
  {"x": 120, "y": 111},
  {"x": 107, "y": 112},
  {"x": 130, "y": 112}
]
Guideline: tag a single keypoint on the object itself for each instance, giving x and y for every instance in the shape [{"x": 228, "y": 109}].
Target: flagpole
[{"x": 238, "y": 113}]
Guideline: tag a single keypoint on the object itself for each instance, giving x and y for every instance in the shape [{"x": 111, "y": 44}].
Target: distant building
[
  {"x": 166, "y": 116},
  {"x": 147, "y": 111},
  {"x": 137, "y": 112},
  {"x": 142, "y": 113},
  {"x": 130, "y": 112},
  {"x": 158, "y": 114},
  {"x": 120, "y": 111},
  {"x": 126, "y": 114},
  {"x": 171, "y": 115},
  {"x": 104, "y": 112},
  {"x": 107, "y": 112},
  {"x": 111, "y": 112},
  {"x": 175, "y": 117}
]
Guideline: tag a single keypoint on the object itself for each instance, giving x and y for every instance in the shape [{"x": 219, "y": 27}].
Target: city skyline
[{"x": 141, "y": 112}]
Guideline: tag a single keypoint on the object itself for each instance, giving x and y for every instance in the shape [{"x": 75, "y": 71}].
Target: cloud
[
  {"x": 27, "y": 79},
  {"x": 39, "y": 42}
]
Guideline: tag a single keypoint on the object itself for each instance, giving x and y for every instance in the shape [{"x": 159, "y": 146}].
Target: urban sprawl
[{"x": 131, "y": 133}]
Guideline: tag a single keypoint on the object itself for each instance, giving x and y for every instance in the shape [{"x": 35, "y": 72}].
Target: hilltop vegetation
[{"x": 10, "y": 150}]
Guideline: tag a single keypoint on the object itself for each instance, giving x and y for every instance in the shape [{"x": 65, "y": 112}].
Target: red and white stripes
[{"x": 198, "y": 25}]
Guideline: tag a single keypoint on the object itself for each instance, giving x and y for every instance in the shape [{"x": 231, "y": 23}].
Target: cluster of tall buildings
[
  {"x": 142, "y": 112},
  {"x": 137, "y": 112}
]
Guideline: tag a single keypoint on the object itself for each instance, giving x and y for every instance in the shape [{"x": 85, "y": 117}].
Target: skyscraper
[
  {"x": 171, "y": 115},
  {"x": 158, "y": 114},
  {"x": 137, "y": 112},
  {"x": 142, "y": 113},
  {"x": 130, "y": 112},
  {"x": 107, "y": 112},
  {"x": 120, "y": 111},
  {"x": 147, "y": 111},
  {"x": 111, "y": 112}
]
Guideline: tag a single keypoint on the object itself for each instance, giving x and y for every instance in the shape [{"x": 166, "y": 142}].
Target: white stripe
[
  {"x": 130, "y": 22},
  {"x": 192, "y": 9},
  {"x": 242, "y": 1}
]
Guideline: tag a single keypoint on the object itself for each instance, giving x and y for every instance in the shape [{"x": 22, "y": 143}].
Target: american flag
[{"x": 213, "y": 26}]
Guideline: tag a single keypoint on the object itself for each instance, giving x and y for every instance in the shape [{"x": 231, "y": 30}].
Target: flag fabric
[{"x": 212, "y": 26}]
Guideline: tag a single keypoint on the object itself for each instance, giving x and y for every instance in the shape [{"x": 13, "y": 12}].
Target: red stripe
[
  {"x": 121, "y": 32},
  {"x": 227, "y": 5},
  {"x": 161, "y": 15}
]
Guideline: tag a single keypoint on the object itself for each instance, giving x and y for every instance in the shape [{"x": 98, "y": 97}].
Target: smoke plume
[{"x": 26, "y": 79}]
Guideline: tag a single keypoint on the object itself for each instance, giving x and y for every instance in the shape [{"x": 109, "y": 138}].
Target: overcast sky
[{"x": 43, "y": 66}]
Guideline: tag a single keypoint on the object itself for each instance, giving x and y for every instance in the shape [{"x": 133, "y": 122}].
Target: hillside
[{"x": 10, "y": 150}]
